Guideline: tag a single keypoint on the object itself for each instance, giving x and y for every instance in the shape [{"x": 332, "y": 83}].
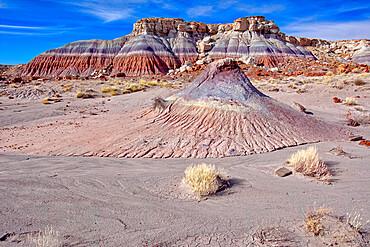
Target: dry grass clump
[
  {"x": 134, "y": 88},
  {"x": 356, "y": 70},
  {"x": 159, "y": 104},
  {"x": 329, "y": 73},
  {"x": 313, "y": 218},
  {"x": 350, "y": 101},
  {"x": 359, "y": 108},
  {"x": 308, "y": 163},
  {"x": 153, "y": 83},
  {"x": 205, "y": 179},
  {"x": 105, "y": 89},
  {"x": 354, "y": 220},
  {"x": 46, "y": 238}
]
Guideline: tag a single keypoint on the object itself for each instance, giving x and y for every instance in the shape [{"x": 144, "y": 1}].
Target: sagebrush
[{"x": 205, "y": 179}]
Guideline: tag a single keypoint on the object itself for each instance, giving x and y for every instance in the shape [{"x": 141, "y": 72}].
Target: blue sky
[{"x": 28, "y": 28}]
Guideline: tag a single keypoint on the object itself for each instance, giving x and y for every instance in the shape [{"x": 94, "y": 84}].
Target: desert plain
[{"x": 50, "y": 180}]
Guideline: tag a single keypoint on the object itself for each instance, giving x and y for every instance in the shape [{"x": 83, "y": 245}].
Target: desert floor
[{"x": 105, "y": 201}]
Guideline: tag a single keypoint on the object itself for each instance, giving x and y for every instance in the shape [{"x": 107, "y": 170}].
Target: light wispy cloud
[
  {"x": 226, "y": 4},
  {"x": 21, "y": 27},
  {"x": 108, "y": 15},
  {"x": 200, "y": 11},
  {"x": 112, "y": 10},
  {"x": 32, "y": 34},
  {"x": 330, "y": 30},
  {"x": 261, "y": 9}
]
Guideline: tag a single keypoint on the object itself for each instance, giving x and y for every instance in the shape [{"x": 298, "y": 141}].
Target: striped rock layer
[
  {"x": 221, "y": 114},
  {"x": 157, "y": 45}
]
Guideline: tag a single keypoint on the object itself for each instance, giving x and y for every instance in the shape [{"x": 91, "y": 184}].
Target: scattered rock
[
  {"x": 337, "y": 100},
  {"x": 283, "y": 172},
  {"x": 365, "y": 143},
  {"x": 352, "y": 123},
  {"x": 355, "y": 138}
]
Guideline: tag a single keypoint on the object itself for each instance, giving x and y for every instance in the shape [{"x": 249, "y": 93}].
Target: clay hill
[
  {"x": 219, "y": 114},
  {"x": 222, "y": 114},
  {"x": 159, "y": 45}
]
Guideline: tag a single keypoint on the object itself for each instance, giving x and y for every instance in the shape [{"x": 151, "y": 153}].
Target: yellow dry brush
[
  {"x": 308, "y": 163},
  {"x": 205, "y": 179}
]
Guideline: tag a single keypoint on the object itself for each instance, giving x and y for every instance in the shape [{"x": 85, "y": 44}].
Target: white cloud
[
  {"x": 226, "y": 4},
  {"x": 108, "y": 15},
  {"x": 31, "y": 34},
  {"x": 199, "y": 11},
  {"x": 20, "y": 27},
  {"x": 107, "y": 11},
  {"x": 330, "y": 30},
  {"x": 263, "y": 9}
]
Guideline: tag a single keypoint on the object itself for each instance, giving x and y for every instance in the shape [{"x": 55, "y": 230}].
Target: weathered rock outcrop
[
  {"x": 157, "y": 45},
  {"x": 222, "y": 114},
  {"x": 357, "y": 51}
]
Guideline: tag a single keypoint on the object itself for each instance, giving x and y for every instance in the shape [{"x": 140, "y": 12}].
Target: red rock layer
[{"x": 144, "y": 64}]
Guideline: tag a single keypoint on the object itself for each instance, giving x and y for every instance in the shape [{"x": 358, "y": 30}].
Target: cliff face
[{"x": 157, "y": 45}]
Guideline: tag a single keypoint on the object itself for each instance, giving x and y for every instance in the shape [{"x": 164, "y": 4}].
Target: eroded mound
[{"x": 222, "y": 114}]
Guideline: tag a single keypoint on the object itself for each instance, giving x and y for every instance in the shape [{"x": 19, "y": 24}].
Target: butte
[{"x": 222, "y": 114}]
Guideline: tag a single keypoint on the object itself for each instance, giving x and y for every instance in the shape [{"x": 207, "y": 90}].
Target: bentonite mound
[{"x": 222, "y": 114}]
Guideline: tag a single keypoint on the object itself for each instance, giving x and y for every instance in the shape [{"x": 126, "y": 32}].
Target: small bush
[
  {"x": 153, "y": 83},
  {"x": 142, "y": 82},
  {"x": 329, "y": 73},
  {"x": 46, "y": 238},
  {"x": 313, "y": 219},
  {"x": 356, "y": 70},
  {"x": 350, "y": 101},
  {"x": 308, "y": 163},
  {"x": 359, "y": 108},
  {"x": 355, "y": 221},
  {"x": 79, "y": 94},
  {"x": 204, "y": 179},
  {"x": 105, "y": 89}
]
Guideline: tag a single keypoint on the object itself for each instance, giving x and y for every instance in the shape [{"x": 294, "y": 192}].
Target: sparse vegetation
[
  {"x": 205, "y": 179},
  {"x": 46, "y": 238},
  {"x": 350, "y": 101},
  {"x": 105, "y": 89},
  {"x": 359, "y": 108},
  {"x": 308, "y": 163},
  {"x": 355, "y": 221},
  {"x": 313, "y": 218}
]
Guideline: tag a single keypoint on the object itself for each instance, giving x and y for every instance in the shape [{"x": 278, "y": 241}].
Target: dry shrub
[
  {"x": 159, "y": 104},
  {"x": 329, "y": 73},
  {"x": 308, "y": 163},
  {"x": 313, "y": 218},
  {"x": 134, "y": 88},
  {"x": 46, "y": 238},
  {"x": 205, "y": 179},
  {"x": 356, "y": 70},
  {"x": 105, "y": 89},
  {"x": 350, "y": 101},
  {"x": 355, "y": 221},
  {"x": 359, "y": 108},
  {"x": 79, "y": 94},
  {"x": 153, "y": 83}
]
